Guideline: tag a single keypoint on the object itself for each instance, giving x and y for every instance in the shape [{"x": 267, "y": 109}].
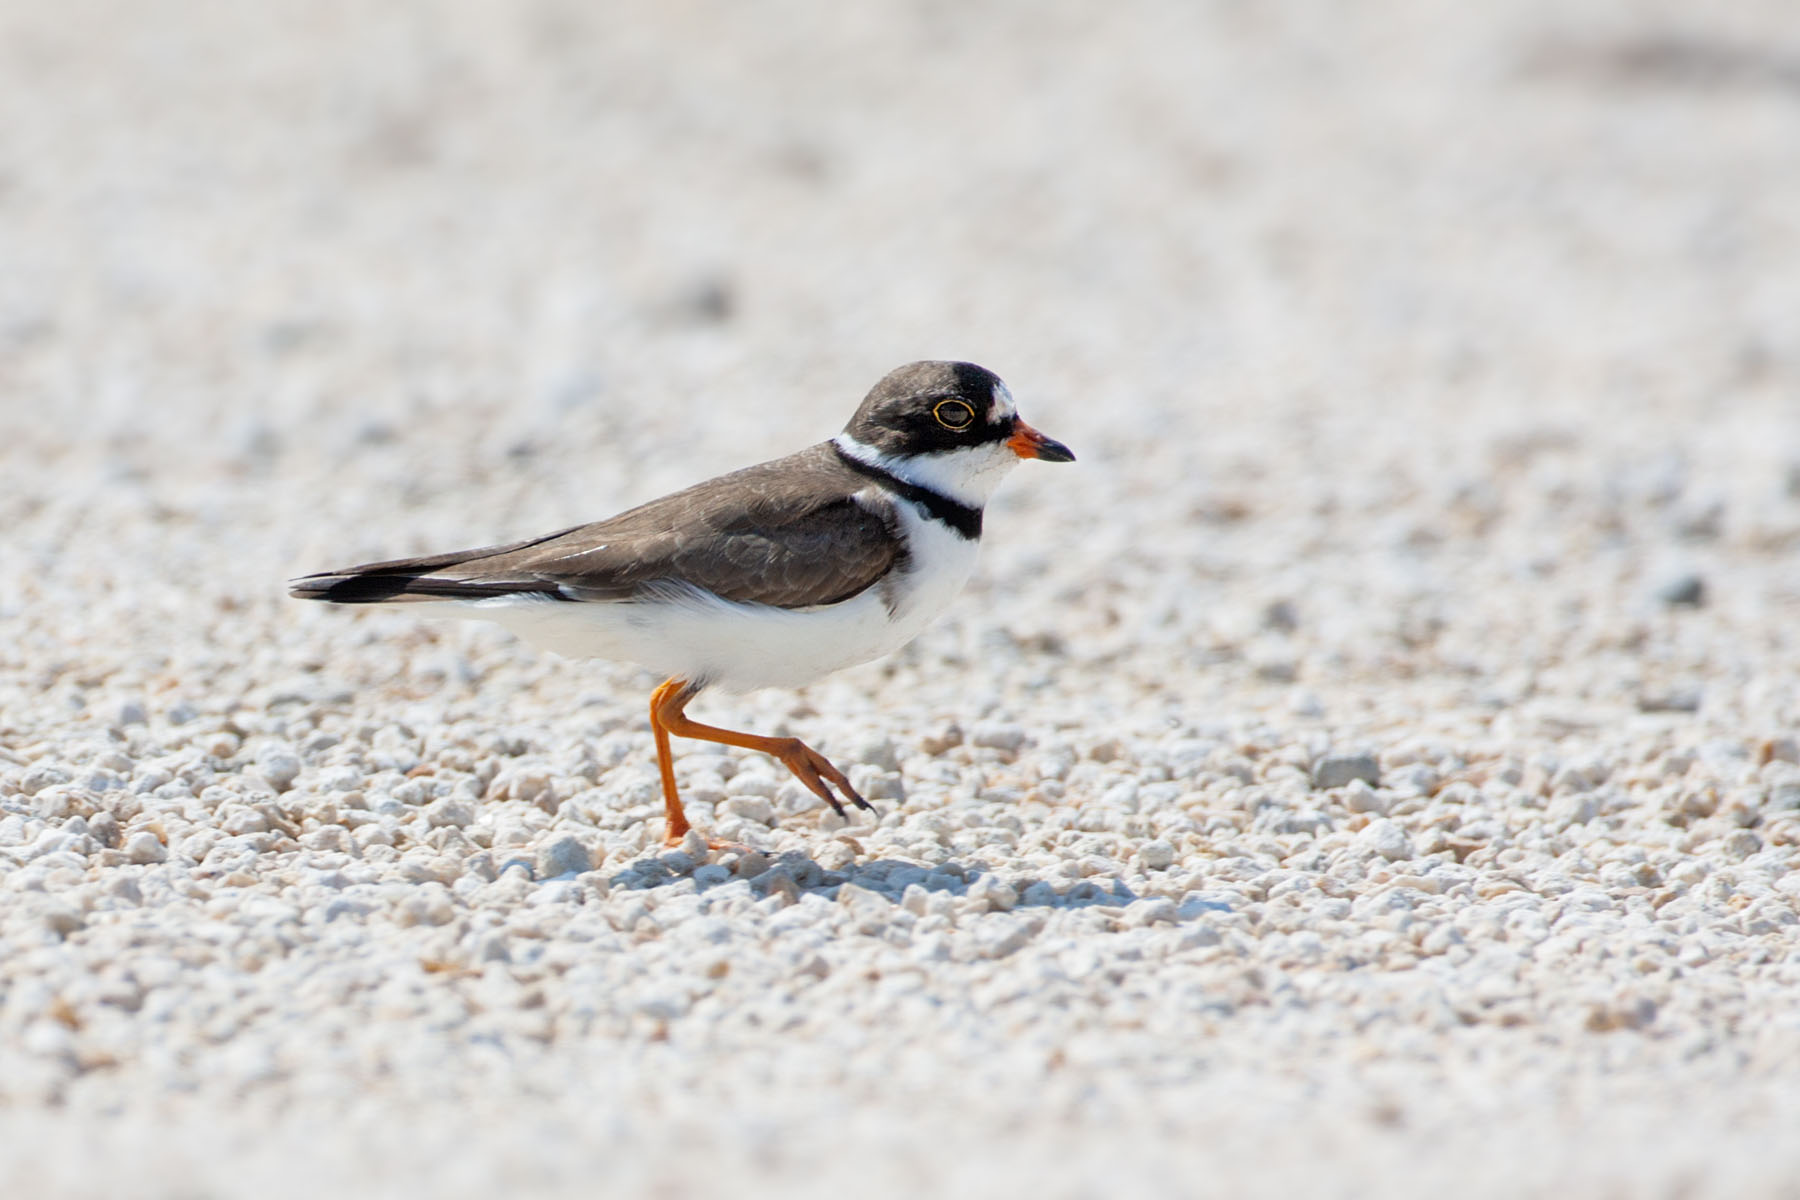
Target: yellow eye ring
[{"x": 953, "y": 414}]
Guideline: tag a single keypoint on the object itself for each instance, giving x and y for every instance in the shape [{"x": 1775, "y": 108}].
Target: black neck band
[{"x": 957, "y": 515}]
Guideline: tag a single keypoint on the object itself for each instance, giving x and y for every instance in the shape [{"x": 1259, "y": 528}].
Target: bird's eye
[{"x": 954, "y": 414}]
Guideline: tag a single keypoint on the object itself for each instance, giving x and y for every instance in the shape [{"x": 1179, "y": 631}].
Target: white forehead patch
[{"x": 1004, "y": 408}]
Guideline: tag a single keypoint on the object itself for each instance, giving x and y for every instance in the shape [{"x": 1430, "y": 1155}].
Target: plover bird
[{"x": 771, "y": 576}]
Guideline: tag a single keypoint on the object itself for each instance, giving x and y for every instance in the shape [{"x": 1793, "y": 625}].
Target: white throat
[{"x": 967, "y": 475}]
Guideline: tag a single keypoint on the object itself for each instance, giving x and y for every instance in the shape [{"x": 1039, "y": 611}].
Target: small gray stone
[
  {"x": 1274, "y": 664},
  {"x": 776, "y": 882},
  {"x": 711, "y": 875},
  {"x": 1336, "y": 770},
  {"x": 1684, "y": 700},
  {"x": 1684, "y": 591},
  {"x": 751, "y": 864},
  {"x": 679, "y": 862},
  {"x": 493, "y": 947},
  {"x": 565, "y": 856}
]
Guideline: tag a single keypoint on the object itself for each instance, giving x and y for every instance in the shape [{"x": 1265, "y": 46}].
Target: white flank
[{"x": 691, "y": 634}]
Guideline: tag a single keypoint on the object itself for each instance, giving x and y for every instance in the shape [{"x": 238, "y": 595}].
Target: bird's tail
[
  {"x": 366, "y": 585},
  {"x": 437, "y": 577}
]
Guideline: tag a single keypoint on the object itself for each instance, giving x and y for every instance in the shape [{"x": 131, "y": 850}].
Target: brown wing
[{"x": 787, "y": 533}]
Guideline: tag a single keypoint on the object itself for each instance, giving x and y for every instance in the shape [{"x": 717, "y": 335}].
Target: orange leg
[
  {"x": 808, "y": 765},
  {"x": 677, "y": 819}
]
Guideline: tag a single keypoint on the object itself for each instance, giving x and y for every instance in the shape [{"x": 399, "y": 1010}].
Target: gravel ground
[{"x": 1373, "y": 770}]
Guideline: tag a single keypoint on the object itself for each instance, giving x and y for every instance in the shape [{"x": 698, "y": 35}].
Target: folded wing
[{"x": 787, "y": 534}]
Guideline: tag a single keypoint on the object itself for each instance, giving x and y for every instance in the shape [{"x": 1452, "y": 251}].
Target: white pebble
[
  {"x": 1359, "y": 797},
  {"x": 1386, "y": 838},
  {"x": 1156, "y": 855},
  {"x": 144, "y": 847},
  {"x": 992, "y": 895},
  {"x": 1152, "y": 911},
  {"x": 41, "y": 776},
  {"x": 429, "y": 904},
  {"x": 450, "y": 811},
  {"x": 996, "y": 735},
  {"x": 755, "y": 809},
  {"x": 1001, "y": 934},
  {"x": 877, "y": 751},
  {"x": 279, "y": 765}
]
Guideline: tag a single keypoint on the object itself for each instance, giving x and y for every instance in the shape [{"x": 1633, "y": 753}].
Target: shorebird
[{"x": 770, "y": 576}]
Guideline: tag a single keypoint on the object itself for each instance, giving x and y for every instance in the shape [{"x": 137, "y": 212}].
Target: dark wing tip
[
  {"x": 417, "y": 579},
  {"x": 351, "y": 588},
  {"x": 393, "y": 587}
]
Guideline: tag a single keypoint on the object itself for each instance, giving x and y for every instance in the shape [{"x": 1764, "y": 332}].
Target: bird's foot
[{"x": 816, "y": 771}]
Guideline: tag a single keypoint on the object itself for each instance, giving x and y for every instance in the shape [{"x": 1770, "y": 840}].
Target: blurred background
[
  {"x": 1373, "y": 311},
  {"x": 1432, "y": 369}
]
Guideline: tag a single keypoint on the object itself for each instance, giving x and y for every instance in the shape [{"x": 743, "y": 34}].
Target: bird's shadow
[{"x": 889, "y": 877}]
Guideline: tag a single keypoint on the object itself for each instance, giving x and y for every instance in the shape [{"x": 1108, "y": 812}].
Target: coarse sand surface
[{"x": 1372, "y": 770}]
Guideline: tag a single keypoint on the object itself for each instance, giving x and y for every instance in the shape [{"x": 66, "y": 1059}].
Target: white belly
[{"x": 740, "y": 647}]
